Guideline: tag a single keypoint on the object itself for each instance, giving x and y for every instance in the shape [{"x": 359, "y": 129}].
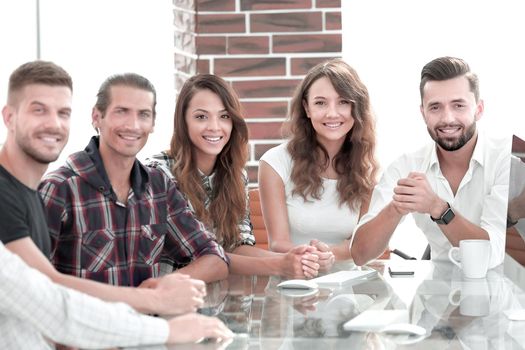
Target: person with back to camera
[
  {"x": 315, "y": 187},
  {"x": 207, "y": 157}
]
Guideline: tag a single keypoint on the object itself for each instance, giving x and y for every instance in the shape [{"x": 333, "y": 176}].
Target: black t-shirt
[{"x": 22, "y": 213}]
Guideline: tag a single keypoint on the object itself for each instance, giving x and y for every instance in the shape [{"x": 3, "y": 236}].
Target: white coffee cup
[
  {"x": 473, "y": 297},
  {"x": 474, "y": 255}
]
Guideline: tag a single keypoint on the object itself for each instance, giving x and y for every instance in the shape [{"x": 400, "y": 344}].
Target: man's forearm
[
  {"x": 209, "y": 268},
  {"x": 141, "y": 299},
  {"x": 372, "y": 238},
  {"x": 460, "y": 228}
]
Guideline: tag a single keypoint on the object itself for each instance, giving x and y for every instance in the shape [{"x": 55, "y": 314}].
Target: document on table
[
  {"x": 343, "y": 277},
  {"x": 376, "y": 320}
]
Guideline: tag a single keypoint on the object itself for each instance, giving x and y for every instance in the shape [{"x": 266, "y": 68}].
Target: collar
[
  {"x": 431, "y": 158},
  {"x": 94, "y": 173},
  {"x": 207, "y": 182}
]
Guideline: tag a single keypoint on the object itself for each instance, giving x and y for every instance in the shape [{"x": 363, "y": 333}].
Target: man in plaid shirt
[
  {"x": 112, "y": 219},
  {"x": 36, "y": 306}
]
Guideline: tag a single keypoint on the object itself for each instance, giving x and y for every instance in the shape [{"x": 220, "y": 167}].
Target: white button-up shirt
[
  {"x": 516, "y": 186},
  {"x": 481, "y": 196},
  {"x": 32, "y": 307}
]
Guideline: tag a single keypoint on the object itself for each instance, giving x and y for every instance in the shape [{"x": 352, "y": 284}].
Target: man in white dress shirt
[{"x": 456, "y": 188}]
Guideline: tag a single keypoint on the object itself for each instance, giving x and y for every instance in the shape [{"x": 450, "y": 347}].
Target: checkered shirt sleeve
[
  {"x": 32, "y": 307},
  {"x": 164, "y": 163}
]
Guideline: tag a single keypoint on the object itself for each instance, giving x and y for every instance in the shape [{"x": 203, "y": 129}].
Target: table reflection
[{"x": 456, "y": 312}]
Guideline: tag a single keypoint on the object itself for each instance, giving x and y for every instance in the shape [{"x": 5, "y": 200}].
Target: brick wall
[
  {"x": 263, "y": 47},
  {"x": 518, "y": 147},
  {"x": 185, "y": 57}
]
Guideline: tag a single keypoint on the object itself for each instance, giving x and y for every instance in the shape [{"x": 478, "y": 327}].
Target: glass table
[{"x": 457, "y": 313}]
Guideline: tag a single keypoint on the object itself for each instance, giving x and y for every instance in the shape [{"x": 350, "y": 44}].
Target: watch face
[{"x": 448, "y": 216}]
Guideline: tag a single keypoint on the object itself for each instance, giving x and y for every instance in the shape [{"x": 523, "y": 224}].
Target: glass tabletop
[{"x": 456, "y": 312}]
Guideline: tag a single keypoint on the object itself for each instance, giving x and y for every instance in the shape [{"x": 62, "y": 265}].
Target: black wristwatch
[{"x": 446, "y": 217}]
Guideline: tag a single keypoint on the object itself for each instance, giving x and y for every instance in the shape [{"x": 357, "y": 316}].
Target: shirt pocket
[
  {"x": 151, "y": 242},
  {"x": 98, "y": 250}
]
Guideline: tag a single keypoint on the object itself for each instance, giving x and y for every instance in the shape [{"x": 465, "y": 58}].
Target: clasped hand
[
  {"x": 324, "y": 253},
  {"x": 177, "y": 293},
  {"x": 414, "y": 194},
  {"x": 301, "y": 262}
]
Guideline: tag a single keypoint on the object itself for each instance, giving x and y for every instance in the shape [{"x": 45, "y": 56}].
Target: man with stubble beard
[{"x": 456, "y": 187}]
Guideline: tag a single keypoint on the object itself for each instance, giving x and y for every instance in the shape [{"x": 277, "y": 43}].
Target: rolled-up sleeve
[
  {"x": 382, "y": 193},
  {"x": 494, "y": 213}
]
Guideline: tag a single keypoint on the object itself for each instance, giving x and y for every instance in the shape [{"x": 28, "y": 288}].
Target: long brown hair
[
  {"x": 228, "y": 202},
  {"x": 355, "y": 162}
]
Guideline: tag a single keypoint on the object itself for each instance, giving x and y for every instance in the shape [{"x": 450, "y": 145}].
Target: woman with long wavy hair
[
  {"x": 207, "y": 155},
  {"x": 315, "y": 187}
]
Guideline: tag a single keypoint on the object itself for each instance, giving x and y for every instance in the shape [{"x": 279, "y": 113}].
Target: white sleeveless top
[{"x": 322, "y": 219}]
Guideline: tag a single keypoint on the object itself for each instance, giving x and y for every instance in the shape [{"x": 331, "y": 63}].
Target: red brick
[
  {"x": 307, "y": 43},
  {"x": 301, "y": 65},
  {"x": 265, "y": 109},
  {"x": 518, "y": 145},
  {"x": 203, "y": 66},
  {"x": 242, "y": 67},
  {"x": 221, "y": 23},
  {"x": 333, "y": 20},
  {"x": 286, "y": 22},
  {"x": 261, "y": 149},
  {"x": 254, "y": 5},
  {"x": 265, "y": 131},
  {"x": 248, "y": 45},
  {"x": 210, "y": 45},
  {"x": 266, "y": 88},
  {"x": 215, "y": 5},
  {"x": 252, "y": 173},
  {"x": 328, "y": 3}
]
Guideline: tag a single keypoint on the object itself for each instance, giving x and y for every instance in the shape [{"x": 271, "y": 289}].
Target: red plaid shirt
[{"x": 96, "y": 237}]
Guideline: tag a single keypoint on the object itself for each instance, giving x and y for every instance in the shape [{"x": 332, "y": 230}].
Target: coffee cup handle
[
  {"x": 451, "y": 295},
  {"x": 451, "y": 258}
]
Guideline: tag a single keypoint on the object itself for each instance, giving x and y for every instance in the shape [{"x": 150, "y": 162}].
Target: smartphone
[{"x": 400, "y": 273}]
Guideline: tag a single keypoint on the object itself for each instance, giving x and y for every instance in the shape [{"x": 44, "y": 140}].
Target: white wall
[
  {"x": 92, "y": 40},
  {"x": 388, "y": 42},
  {"x": 17, "y": 40}
]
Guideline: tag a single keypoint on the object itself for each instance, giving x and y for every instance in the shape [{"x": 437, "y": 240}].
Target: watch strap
[{"x": 445, "y": 217}]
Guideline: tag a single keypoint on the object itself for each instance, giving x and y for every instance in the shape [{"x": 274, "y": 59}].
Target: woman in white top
[
  {"x": 207, "y": 157},
  {"x": 315, "y": 187}
]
